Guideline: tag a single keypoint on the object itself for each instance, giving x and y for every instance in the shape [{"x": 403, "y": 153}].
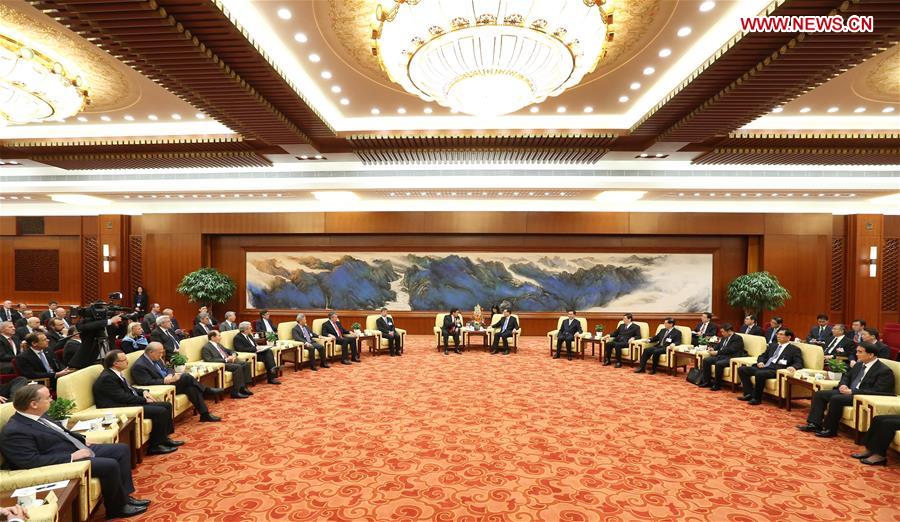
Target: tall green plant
[
  {"x": 757, "y": 291},
  {"x": 207, "y": 286}
]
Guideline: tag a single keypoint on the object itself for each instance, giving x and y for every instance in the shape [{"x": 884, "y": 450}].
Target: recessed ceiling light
[
  {"x": 681, "y": 193},
  {"x": 499, "y": 193},
  {"x": 82, "y": 119},
  {"x": 181, "y": 196},
  {"x": 208, "y": 196},
  {"x": 375, "y": 111},
  {"x": 428, "y": 110},
  {"x": 169, "y": 196},
  {"x": 304, "y": 156},
  {"x": 617, "y": 196},
  {"x": 284, "y": 13},
  {"x": 318, "y": 156},
  {"x": 315, "y": 58},
  {"x": 859, "y": 110},
  {"x": 821, "y": 195},
  {"x": 743, "y": 194},
  {"x": 804, "y": 110},
  {"x": 759, "y": 194},
  {"x": 790, "y": 194},
  {"x": 852, "y": 195},
  {"x": 648, "y": 71},
  {"x": 707, "y": 6},
  {"x": 660, "y": 155},
  {"x": 126, "y": 196},
  {"x": 696, "y": 194},
  {"x": 79, "y": 199},
  {"x": 437, "y": 194},
  {"x": 105, "y": 118},
  {"x": 26, "y": 197},
  {"x": 300, "y": 38},
  {"x": 643, "y": 154},
  {"x": 200, "y": 116},
  {"x": 152, "y": 117},
  {"x": 531, "y": 193},
  {"x": 588, "y": 109},
  {"x": 277, "y": 195},
  {"x": 623, "y": 99},
  {"x": 153, "y": 196},
  {"x": 401, "y": 110},
  {"x": 728, "y": 194},
  {"x": 635, "y": 86},
  {"x": 326, "y": 75},
  {"x": 176, "y": 116},
  {"x": 684, "y": 31},
  {"x": 775, "y": 195},
  {"x": 410, "y": 193},
  {"x": 533, "y": 110},
  {"x": 833, "y": 109},
  {"x": 194, "y": 196},
  {"x": 560, "y": 109},
  {"x": 806, "y": 194},
  {"x": 128, "y": 117},
  {"x": 336, "y": 89},
  {"x": 665, "y": 53},
  {"x": 887, "y": 110},
  {"x": 345, "y": 101},
  {"x": 776, "y": 110},
  {"x": 220, "y": 195}
]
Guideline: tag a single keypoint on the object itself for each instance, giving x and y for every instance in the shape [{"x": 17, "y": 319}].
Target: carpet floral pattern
[{"x": 521, "y": 437}]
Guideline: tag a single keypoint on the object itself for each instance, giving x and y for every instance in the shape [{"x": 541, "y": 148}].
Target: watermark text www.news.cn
[{"x": 808, "y": 24}]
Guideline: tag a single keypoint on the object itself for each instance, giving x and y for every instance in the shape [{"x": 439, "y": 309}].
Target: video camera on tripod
[{"x": 104, "y": 310}]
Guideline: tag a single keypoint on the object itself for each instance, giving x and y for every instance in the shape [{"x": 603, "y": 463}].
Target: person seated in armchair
[
  {"x": 165, "y": 334},
  {"x": 334, "y": 328},
  {"x": 568, "y": 332},
  {"x": 36, "y": 362},
  {"x": 134, "y": 340},
  {"x": 385, "y": 325},
  {"x": 839, "y": 344},
  {"x": 664, "y": 338},
  {"x": 203, "y": 325},
  {"x": 820, "y": 333},
  {"x": 870, "y": 335},
  {"x": 506, "y": 327},
  {"x": 301, "y": 333},
  {"x": 151, "y": 370},
  {"x": 869, "y": 377},
  {"x": 244, "y": 342},
  {"x": 205, "y": 310},
  {"x": 241, "y": 373},
  {"x": 264, "y": 323},
  {"x": 705, "y": 328},
  {"x": 229, "y": 323},
  {"x": 30, "y": 440},
  {"x": 779, "y": 355},
  {"x": 452, "y": 327},
  {"x": 878, "y": 439},
  {"x": 720, "y": 354},
  {"x": 626, "y": 332},
  {"x": 750, "y": 327},
  {"x": 111, "y": 390}
]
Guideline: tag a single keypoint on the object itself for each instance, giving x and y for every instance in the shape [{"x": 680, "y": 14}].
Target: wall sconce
[
  {"x": 873, "y": 257},
  {"x": 106, "y": 258}
]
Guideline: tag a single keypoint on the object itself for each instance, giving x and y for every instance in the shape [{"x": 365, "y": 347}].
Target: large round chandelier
[
  {"x": 489, "y": 57},
  {"x": 34, "y": 87}
]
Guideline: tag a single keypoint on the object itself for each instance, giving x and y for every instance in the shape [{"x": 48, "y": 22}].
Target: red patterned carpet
[{"x": 523, "y": 437}]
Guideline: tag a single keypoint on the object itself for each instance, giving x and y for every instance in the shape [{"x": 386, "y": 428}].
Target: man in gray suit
[
  {"x": 302, "y": 333},
  {"x": 241, "y": 376},
  {"x": 230, "y": 322}
]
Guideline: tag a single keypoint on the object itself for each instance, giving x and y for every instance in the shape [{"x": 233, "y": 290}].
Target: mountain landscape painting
[{"x": 435, "y": 281}]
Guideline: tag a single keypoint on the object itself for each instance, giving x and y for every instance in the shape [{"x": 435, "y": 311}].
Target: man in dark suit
[
  {"x": 623, "y": 334},
  {"x": 570, "y": 329},
  {"x": 150, "y": 370},
  {"x": 241, "y": 375},
  {"x": 506, "y": 327},
  {"x": 149, "y": 322},
  {"x": 229, "y": 323},
  {"x": 820, "y": 333},
  {"x": 111, "y": 390},
  {"x": 30, "y": 440},
  {"x": 870, "y": 335},
  {"x": 750, "y": 327},
  {"x": 775, "y": 324},
  {"x": 25, "y": 314},
  {"x": 705, "y": 328},
  {"x": 165, "y": 334},
  {"x": 385, "y": 325},
  {"x": 35, "y": 363},
  {"x": 778, "y": 356},
  {"x": 176, "y": 328},
  {"x": 264, "y": 323},
  {"x": 869, "y": 377},
  {"x": 856, "y": 328},
  {"x": 56, "y": 332},
  {"x": 838, "y": 344},
  {"x": 95, "y": 341},
  {"x": 301, "y": 333},
  {"x": 205, "y": 310},
  {"x": 334, "y": 328},
  {"x": 47, "y": 314},
  {"x": 8, "y": 313},
  {"x": 730, "y": 345},
  {"x": 203, "y": 326},
  {"x": 72, "y": 346},
  {"x": 32, "y": 324},
  {"x": 9, "y": 346},
  {"x": 878, "y": 439},
  {"x": 451, "y": 327},
  {"x": 662, "y": 340},
  {"x": 244, "y": 342}
]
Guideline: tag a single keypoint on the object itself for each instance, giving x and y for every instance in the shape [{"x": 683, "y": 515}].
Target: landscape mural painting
[{"x": 528, "y": 281}]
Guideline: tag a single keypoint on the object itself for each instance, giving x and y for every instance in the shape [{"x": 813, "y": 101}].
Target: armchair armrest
[
  {"x": 879, "y": 404},
  {"x": 551, "y": 334},
  {"x": 24, "y": 478},
  {"x": 743, "y": 361},
  {"x": 400, "y": 331},
  {"x": 160, "y": 392},
  {"x": 103, "y": 436},
  {"x": 123, "y": 412}
]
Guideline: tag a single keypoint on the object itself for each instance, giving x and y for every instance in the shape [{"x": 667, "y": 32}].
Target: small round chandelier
[
  {"x": 34, "y": 87},
  {"x": 489, "y": 57}
]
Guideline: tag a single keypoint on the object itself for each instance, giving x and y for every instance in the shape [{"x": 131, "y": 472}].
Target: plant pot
[
  {"x": 179, "y": 369},
  {"x": 834, "y": 376}
]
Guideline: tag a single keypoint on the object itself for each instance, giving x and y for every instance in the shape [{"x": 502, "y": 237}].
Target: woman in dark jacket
[{"x": 141, "y": 300}]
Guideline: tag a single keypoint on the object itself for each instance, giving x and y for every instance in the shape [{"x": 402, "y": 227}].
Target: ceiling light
[
  {"x": 696, "y": 194},
  {"x": 200, "y": 116},
  {"x": 743, "y": 194},
  {"x": 181, "y": 196},
  {"x": 707, "y": 6},
  {"x": 105, "y": 118},
  {"x": 427, "y": 110},
  {"x": 126, "y": 196},
  {"x": 336, "y": 89},
  {"x": 859, "y": 110},
  {"x": 304, "y": 156},
  {"x": 300, "y": 38},
  {"x": 665, "y": 53},
  {"x": 34, "y": 87},
  {"x": 887, "y": 110},
  {"x": 623, "y": 99},
  {"x": 176, "y": 116},
  {"x": 79, "y": 199},
  {"x": 758, "y": 194},
  {"x": 318, "y": 156},
  {"x": 684, "y": 31},
  {"x": 660, "y": 155},
  {"x": 804, "y": 110},
  {"x": 619, "y": 196},
  {"x": 588, "y": 109},
  {"x": 284, "y": 13},
  {"x": 326, "y": 75},
  {"x": 776, "y": 110},
  {"x": 26, "y": 197},
  {"x": 681, "y": 193},
  {"x": 832, "y": 109},
  {"x": 634, "y": 86},
  {"x": 375, "y": 111},
  {"x": 315, "y": 58},
  {"x": 453, "y": 55},
  {"x": 345, "y": 101},
  {"x": 401, "y": 110},
  {"x": 278, "y": 195},
  {"x": 728, "y": 194},
  {"x": 152, "y": 117},
  {"x": 560, "y": 110},
  {"x": 643, "y": 155},
  {"x": 531, "y": 193},
  {"x": 821, "y": 195},
  {"x": 533, "y": 110},
  {"x": 648, "y": 71},
  {"x": 128, "y": 117},
  {"x": 82, "y": 119}
]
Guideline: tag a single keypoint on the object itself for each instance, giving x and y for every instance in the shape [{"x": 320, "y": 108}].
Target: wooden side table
[
  {"x": 595, "y": 343},
  {"x": 371, "y": 339},
  {"x": 791, "y": 381},
  {"x": 66, "y": 500},
  {"x": 467, "y": 338}
]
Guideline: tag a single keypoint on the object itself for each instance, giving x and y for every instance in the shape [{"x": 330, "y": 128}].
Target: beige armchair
[
  {"x": 755, "y": 346},
  {"x": 812, "y": 360},
  {"x": 667, "y": 360},
  {"x": 632, "y": 352},
  {"x": 382, "y": 344},
  {"x": 258, "y": 367},
  {"x": 438, "y": 324},
  {"x": 328, "y": 342},
  {"x": 193, "y": 349},
  {"x": 576, "y": 344},
  {"x": 514, "y": 344},
  {"x": 162, "y": 392},
  {"x": 868, "y": 406}
]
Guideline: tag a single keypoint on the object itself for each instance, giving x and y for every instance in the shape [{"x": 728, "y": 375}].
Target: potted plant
[
  {"x": 757, "y": 291},
  {"x": 355, "y": 328},
  {"x": 703, "y": 341},
  {"x": 178, "y": 362},
  {"x": 60, "y": 410},
  {"x": 271, "y": 337},
  {"x": 836, "y": 368},
  {"x": 598, "y": 331},
  {"x": 207, "y": 286}
]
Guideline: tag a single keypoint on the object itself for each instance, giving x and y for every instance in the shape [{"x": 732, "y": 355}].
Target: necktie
[
  {"x": 505, "y": 322},
  {"x": 306, "y": 334},
  {"x": 858, "y": 379},
  {"x": 821, "y": 331},
  {"x": 703, "y": 328},
  {"x": 174, "y": 339},
  {"x": 772, "y": 339},
  {"x": 43, "y": 359},
  {"x": 831, "y": 344},
  {"x": 161, "y": 369},
  {"x": 12, "y": 345},
  {"x": 221, "y": 352},
  {"x": 725, "y": 343},
  {"x": 128, "y": 386},
  {"x": 75, "y": 442},
  {"x": 776, "y": 356},
  {"x": 336, "y": 329}
]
